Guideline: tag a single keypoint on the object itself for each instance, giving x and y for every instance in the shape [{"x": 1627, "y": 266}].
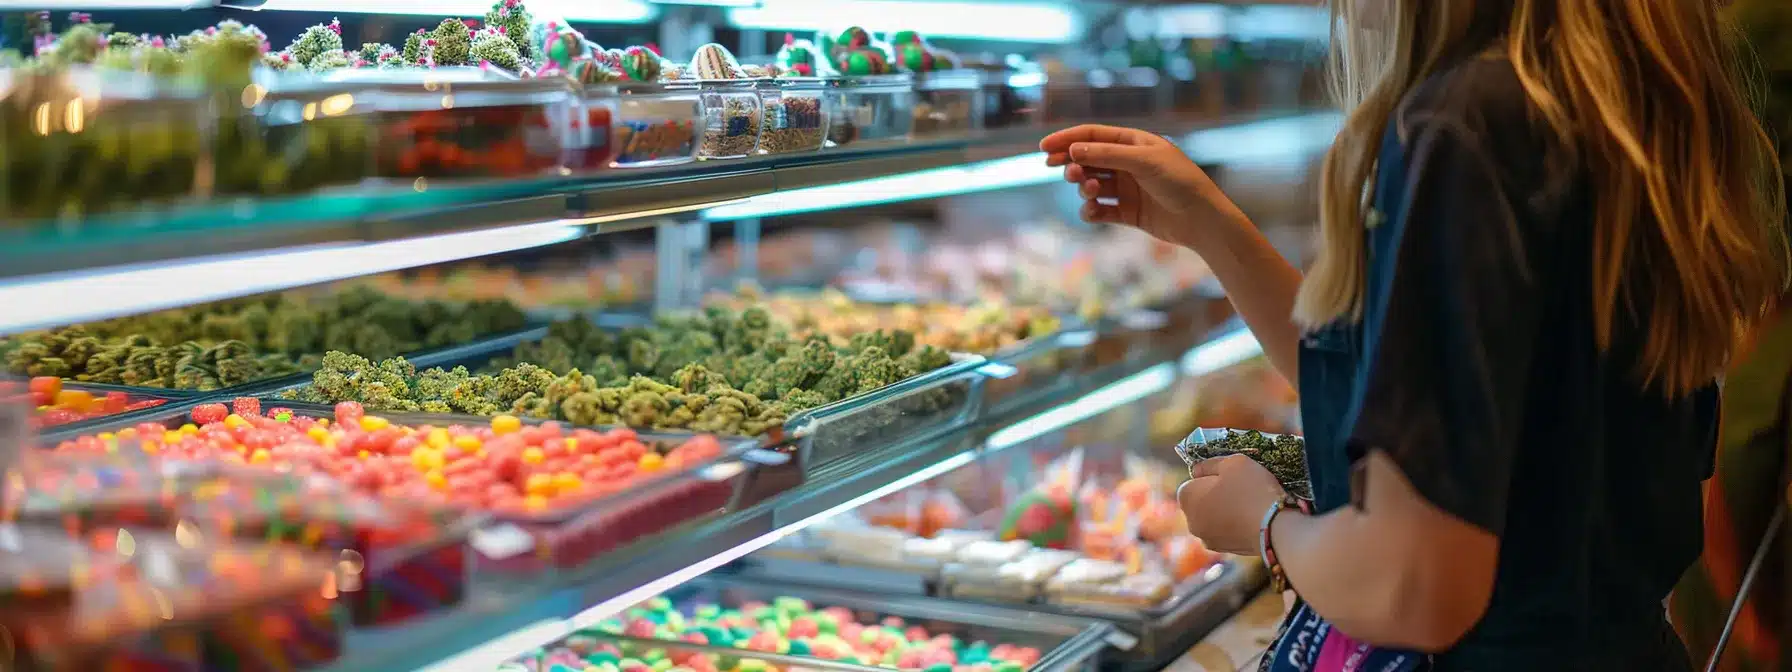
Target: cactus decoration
[
  {"x": 513, "y": 21},
  {"x": 412, "y": 51},
  {"x": 491, "y": 45},
  {"x": 800, "y": 57},
  {"x": 640, "y": 65},
  {"x": 562, "y": 45},
  {"x": 453, "y": 43},
  {"x": 853, "y": 52},
  {"x": 335, "y": 59},
  {"x": 316, "y": 40}
]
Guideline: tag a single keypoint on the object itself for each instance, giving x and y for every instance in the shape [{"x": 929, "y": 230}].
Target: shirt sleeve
[{"x": 1449, "y": 366}]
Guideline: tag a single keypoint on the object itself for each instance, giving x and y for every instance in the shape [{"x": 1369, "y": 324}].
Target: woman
[{"x": 1545, "y": 227}]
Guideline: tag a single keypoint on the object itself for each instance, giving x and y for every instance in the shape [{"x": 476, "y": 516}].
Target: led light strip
[
  {"x": 1007, "y": 21},
  {"x": 1125, "y": 391},
  {"x": 494, "y": 653},
  {"x": 1014, "y": 171},
  {"x": 1221, "y": 352},
  {"x": 51, "y": 300}
]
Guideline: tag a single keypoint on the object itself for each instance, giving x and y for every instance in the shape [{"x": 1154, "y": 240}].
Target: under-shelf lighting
[
  {"x": 606, "y": 11},
  {"x": 1005, "y": 21},
  {"x": 1014, "y": 171},
  {"x": 492, "y": 654},
  {"x": 1222, "y": 352},
  {"x": 1127, "y": 390},
  {"x": 46, "y": 301}
]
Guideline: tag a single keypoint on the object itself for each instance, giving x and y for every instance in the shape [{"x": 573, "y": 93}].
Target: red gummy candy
[
  {"x": 205, "y": 414},
  {"x": 349, "y": 411},
  {"x": 246, "y": 406}
]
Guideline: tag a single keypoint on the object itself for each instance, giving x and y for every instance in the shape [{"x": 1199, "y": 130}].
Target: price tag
[{"x": 501, "y": 541}]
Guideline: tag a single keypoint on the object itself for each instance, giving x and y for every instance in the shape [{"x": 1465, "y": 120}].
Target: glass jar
[
  {"x": 796, "y": 115},
  {"x": 731, "y": 118},
  {"x": 294, "y": 133},
  {"x": 651, "y": 124},
  {"x": 463, "y": 123},
  {"x": 871, "y": 110},
  {"x": 947, "y": 103},
  {"x": 80, "y": 141}
]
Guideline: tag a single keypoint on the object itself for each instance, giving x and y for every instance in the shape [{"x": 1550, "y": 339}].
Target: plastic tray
[
  {"x": 136, "y": 394},
  {"x": 912, "y": 410},
  {"x": 1065, "y": 643},
  {"x": 562, "y": 538},
  {"x": 1037, "y": 368},
  {"x": 871, "y": 111},
  {"x": 1011, "y": 99}
]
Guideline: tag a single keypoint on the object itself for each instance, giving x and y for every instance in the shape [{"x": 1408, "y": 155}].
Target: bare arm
[{"x": 1140, "y": 179}]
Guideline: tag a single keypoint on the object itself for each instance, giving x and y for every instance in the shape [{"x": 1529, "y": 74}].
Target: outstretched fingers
[{"x": 1061, "y": 141}]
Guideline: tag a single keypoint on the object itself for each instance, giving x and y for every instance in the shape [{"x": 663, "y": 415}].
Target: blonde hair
[{"x": 1649, "y": 97}]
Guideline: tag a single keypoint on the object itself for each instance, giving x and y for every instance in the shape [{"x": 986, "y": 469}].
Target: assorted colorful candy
[
  {"x": 56, "y": 404},
  {"x": 504, "y": 466},
  {"x": 788, "y": 625}
]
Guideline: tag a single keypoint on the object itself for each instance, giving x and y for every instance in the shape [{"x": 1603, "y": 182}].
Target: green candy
[
  {"x": 557, "y": 667},
  {"x": 601, "y": 657},
  {"x": 940, "y": 667},
  {"x": 869, "y": 636},
  {"x": 604, "y": 667},
  {"x": 791, "y": 605},
  {"x": 676, "y": 621},
  {"x": 715, "y": 635},
  {"x": 826, "y": 624},
  {"x": 752, "y": 665},
  {"x": 654, "y": 655},
  {"x": 799, "y": 648},
  {"x": 659, "y": 604},
  {"x": 1009, "y": 666},
  {"x": 743, "y": 633},
  {"x": 662, "y": 664},
  {"x": 708, "y": 612}
]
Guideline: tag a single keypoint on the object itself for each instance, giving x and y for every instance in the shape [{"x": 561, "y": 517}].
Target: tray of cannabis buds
[{"x": 716, "y": 371}]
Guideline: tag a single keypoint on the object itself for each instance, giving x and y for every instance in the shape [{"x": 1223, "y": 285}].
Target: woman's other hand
[
  {"x": 1224, "y": 502},
  {"x": 1140, "y": 179}
]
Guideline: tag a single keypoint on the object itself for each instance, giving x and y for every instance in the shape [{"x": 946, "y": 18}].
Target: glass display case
[{"x": 246, "y": 355}]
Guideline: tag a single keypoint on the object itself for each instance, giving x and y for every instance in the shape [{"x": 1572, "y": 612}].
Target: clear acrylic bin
[
  {"x": 1051, "y": 643},
  {"x": 914, "y": 409},
  {"x": 296, "y": 133},
  {"x": 463, "y": 123},
  {"x": 947, "y": 103},
  {"x": 871, "y": 111},
  {"x": 732, "y": 117},
  {"x": 652, "y": 125},
  {"x": 79, "y": 141},
  {"x": 796, "y": 114}
]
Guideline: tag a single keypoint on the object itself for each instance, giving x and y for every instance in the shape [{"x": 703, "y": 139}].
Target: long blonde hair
[{"x": 1652, "y": 101}]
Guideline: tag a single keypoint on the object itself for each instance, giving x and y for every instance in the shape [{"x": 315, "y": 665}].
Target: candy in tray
[
  {"x": 139, "y": 600},
  {"x": 397, "y": 560},
  {"x": 80, "y": 493}
]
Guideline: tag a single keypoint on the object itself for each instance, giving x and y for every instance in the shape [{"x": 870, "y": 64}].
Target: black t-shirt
[{"x": 1475, "y": 367}]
